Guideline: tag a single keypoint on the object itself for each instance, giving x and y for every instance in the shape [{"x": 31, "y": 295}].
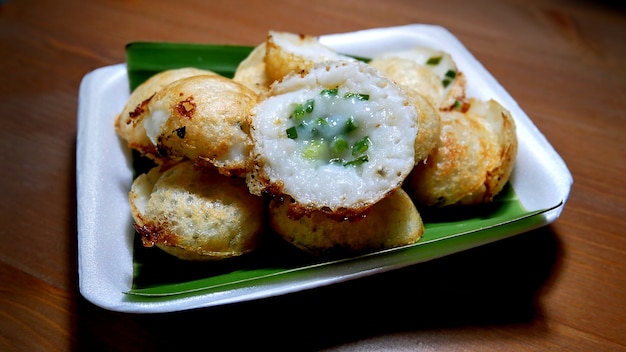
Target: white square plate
[{"x": 104, "y": 176}]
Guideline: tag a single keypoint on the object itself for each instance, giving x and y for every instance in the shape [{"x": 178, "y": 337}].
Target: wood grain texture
[{"x": 562, "y": 287}]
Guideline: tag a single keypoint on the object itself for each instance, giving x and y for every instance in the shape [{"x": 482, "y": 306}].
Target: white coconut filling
[
  {"x": 328, "y": 130},
  {"x": 153, "y": 123},
  {"x": 142, "y": 190},
  {"x": 368, "y": 111}
]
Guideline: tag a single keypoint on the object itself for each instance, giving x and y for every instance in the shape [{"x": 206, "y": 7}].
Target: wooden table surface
[{"x": 561, "y": 287}]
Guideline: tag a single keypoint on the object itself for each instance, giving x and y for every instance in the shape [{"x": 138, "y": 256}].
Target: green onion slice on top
[
  {"x": 326, "y": 139},
  {"x": 435, "y": 60}
]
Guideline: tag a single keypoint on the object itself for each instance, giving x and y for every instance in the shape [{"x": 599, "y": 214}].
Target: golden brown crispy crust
[
  {"x": 295, "y": 53},
  {"x": 279, "y": 61},
  {"x": 390, "y": 223},
  {"x": 196, "y": 213},
  {"x": 129, "y": 123},
  {"x": 208, "y": 122},
  {"x": 412, "y": 76},
  {"x": 472, "y": 161},
  {"x": 252, "y": 72}
]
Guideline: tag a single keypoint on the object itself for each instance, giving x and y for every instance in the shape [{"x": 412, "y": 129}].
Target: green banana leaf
[{"x": 144, "y": 59}]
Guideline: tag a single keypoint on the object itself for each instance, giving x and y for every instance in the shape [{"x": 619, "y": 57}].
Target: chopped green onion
[
  {"x": 361, "y": 146},
  {"x": 338, "y": 145},
  {"x": 308, "y": 107},
  {"x": 325, "y": 138},
  {"x": 318, "y": 126},
  {"x": 298, "y": 112},
  {"x": 321, "y": 122},
  {"x": 350, "y": 125},
  {"x": 358, "y": 161},
  {"x": 315, "y": 149},
  {"x": 435, "y": 60},
  {"x": 451, "y": 74},
  {"x": 300, "y": 109},
  {"x": 446, "y": 82},
  {"x": 457, "y": 105},
  {"x": 358, "y": 96},
  {"x": 292, "y": 133},
  {"x": 330, "y": 92}
]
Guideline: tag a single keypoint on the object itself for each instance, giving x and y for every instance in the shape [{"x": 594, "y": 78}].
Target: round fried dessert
[
  {"x": 129, "y": 123},
  {"x": 204, "y": 118},
  {"x": 473, "y": 159},
  {"x": 392, "y": 222},
  {"x": 289, "y": 52},
  {"x": 337, "y": 139},
  {"x": 432, "y": 73},
  {"x": 412, "y": 76},
  {"x": 251, "y": 71},
  {"x": 196, "y": 214}
]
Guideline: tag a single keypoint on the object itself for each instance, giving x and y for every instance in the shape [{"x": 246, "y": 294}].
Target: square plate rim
[{"x": 109, "y": 294}]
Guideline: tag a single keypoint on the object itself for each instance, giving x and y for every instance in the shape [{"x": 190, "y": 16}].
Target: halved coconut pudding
[{"x": 337, "y": 138}]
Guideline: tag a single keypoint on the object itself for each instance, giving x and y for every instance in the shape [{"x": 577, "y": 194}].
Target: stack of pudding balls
[{"x": 330, "y": 153}]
